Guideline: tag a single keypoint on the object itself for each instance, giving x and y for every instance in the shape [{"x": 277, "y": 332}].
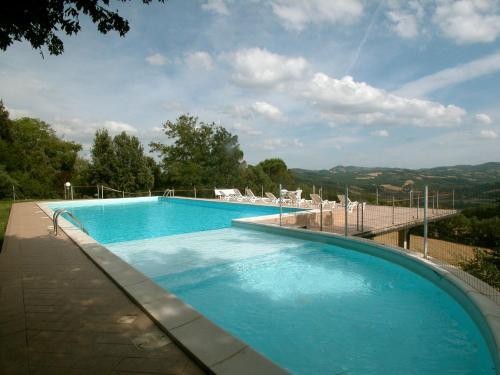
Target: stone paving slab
[{"x": 60, "y": 314}]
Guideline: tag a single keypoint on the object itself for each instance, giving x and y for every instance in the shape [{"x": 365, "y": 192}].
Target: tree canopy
[
  {"x": 120, "y": 162},
  {"x": 277, "y": 171},
  {"x": 201, "y": 154},
  {"x": 33, "y": 157},
  {"x": 38, "y": 21}
]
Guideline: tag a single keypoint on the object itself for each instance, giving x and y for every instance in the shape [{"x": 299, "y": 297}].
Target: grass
[{"x": 4, "y": 217}]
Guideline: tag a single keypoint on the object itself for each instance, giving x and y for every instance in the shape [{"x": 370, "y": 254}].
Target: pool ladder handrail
[
  {"x": 168, "y": 193},
  {"x": 61, "y": 211}
]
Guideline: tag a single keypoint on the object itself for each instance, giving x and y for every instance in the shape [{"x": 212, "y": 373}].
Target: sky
[{"x": 317, "y": 83}]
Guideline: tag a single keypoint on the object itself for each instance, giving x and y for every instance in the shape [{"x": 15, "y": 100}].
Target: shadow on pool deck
[{"x": 59, "y": 313}]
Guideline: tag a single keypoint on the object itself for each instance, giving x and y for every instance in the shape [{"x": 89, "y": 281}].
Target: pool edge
[{"x": 186, "y": 326}]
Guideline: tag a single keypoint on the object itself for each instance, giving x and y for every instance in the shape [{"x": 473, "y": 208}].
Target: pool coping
[
  {"x": 214, "y": 349},
  {"x": 228, "y": 354}
]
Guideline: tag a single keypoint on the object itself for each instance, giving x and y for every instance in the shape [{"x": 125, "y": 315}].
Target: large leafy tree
[
  {"x": 132, "y": 167},
  {"x": 38, "y": 21},
  {"x": 33, "y": 158},
  {"x": 200, "y": 154},
  {"x": 277, "y": 171},
  {"x": 102, "y": 158},
  {"x": 120, "y": 162}
]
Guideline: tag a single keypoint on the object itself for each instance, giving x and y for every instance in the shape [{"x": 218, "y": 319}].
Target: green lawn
[{"x": 4, "y": 216}]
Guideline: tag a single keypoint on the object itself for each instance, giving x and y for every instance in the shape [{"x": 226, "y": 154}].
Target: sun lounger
[
  {"x": 316, "y": 201},
  {"x": 350, "y": 204}
]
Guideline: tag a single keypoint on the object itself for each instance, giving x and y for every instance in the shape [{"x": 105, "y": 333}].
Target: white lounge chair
[
  {"x": 275, "y": 200},
  {"x": 350, "y": 204},
  {"x": 316, "y": 201},
  {"x": 294, "y": 199},
  {"x": 251, "y": 196}
]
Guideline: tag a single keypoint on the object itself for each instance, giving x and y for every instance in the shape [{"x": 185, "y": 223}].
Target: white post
[
  {"x": 377, "y": 193},
  {"x": 71, "y": 192},
  {"x": 281, "y": 209},
  {"x": 14, "y": 192},
  {"x": 426, "y": 221},
  {"x": 346, "y": 199},
  {"x": 262, "y": 191},
  {"x": 321, "y": 217}
]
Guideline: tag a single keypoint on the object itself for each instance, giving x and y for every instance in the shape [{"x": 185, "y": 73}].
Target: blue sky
[{"x": 317, "y": 83}]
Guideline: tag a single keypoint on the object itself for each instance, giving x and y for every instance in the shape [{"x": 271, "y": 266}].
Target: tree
[
  {"x": 120, "y": 162},
  {"x": 277, "y": 171},
  {"x": 33, "y": 158},
  {"x": 37, "y": 21},
  {"x": 103, "y": 158},
  {"x": 132, "y": 172},
  {"x": 201, "y": 154}
]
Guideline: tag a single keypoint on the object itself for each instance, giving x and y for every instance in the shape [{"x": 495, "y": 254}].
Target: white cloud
[
  {"x": 199, "y": 60},
  {"x": 18, "y": 113},
  {"x": 297, "y": 14},
  {"x": 353, "y": 101},
  {"x": 117, "y": 127},
  {"x": 157, "y": 59},
  {"x": 405, "y": 17},
  {"x": 246, "y": 129},
  {"x": 483, "y": 118},
  {"x": 488, "y": 134},
  {"x": 257, "y": 67},
  {"x": 216, "y": 6},
  {"x": 268, "y": 111},
  {"x": 469, "y": 21},
  {"x": 278, "y": 143},
  {"x": 405, "y": 24},
  {"x": 380, "y": 133},
  {"x": 461, "y": 73},
  {"x": 157, "y": 129}
]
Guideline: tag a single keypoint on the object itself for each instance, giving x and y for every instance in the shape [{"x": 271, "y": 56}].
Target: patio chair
[
  {"x": 316, "y": 201},
  {"x": 294, "y": 199},
  {"x": 251, "y": 196},
  {"x": 350, "y": 204},
  {"x": 272, "y": 198}
]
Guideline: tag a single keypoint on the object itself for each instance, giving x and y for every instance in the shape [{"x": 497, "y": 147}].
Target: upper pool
[{"x": 113, "y": 221}]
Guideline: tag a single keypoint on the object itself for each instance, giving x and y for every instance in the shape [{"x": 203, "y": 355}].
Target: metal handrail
[
  {"x": 168, "y": 193},
  {"x": 61, "y": 211}
]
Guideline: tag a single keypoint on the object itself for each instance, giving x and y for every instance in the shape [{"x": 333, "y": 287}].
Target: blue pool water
[
  {"x": 160, "y": 217},
  {"x": 311, "y": 307}
]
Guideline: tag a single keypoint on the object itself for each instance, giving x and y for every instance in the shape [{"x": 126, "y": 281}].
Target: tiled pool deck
[{"x": 60, "y": 314}]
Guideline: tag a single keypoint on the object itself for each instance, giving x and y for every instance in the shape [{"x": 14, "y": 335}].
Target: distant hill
[{"x": 459, "y": 177}]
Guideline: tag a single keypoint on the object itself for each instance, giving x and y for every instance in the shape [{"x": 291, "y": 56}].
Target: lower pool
[{"x": 311, "y": 307}]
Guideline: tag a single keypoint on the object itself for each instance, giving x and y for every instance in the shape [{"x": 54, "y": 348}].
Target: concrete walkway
[{"x": 59, "y": 314}]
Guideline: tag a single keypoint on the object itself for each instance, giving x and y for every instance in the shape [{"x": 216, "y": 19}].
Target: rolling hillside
[{"x": 459, "y": 177}]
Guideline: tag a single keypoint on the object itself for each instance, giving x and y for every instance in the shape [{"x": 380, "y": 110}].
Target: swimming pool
[{"x": 311, "y": 307}]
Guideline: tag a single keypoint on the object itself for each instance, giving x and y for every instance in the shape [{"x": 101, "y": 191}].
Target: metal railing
[
  {"x": 169, "y": 193},
  {"x": 61, "y": 211}
]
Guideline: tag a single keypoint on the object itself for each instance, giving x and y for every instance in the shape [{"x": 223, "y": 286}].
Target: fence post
[
  {"x": 321, "y": 217},
  {"x": 281, "y": 209},
  {"x": 426, "y": 221},
  {"x": 149, "y": 192},
  {"x": 346, "y": 199},
  {"x": 433, "y": 202},
  {"x": 123, "y": 193},
  {"x": 362, "y": 217},
  {"x": 357, "y": 217},
  {"x": 71, "y": 192},
  {"x": 418, "y": 204},
  {"x": 314, "y": 189},
  {"x": 393, "y": 207},
  {"x": 195, "y": 192},
  {"x": 14, "y": 192},
  {"x": 437, "y": 200},
  {"x": 376, "y": 187},
  {"x": 262, "y": 191},
  {"x": 453, "y": 199},
  {"x": 411, "y": 193}
]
